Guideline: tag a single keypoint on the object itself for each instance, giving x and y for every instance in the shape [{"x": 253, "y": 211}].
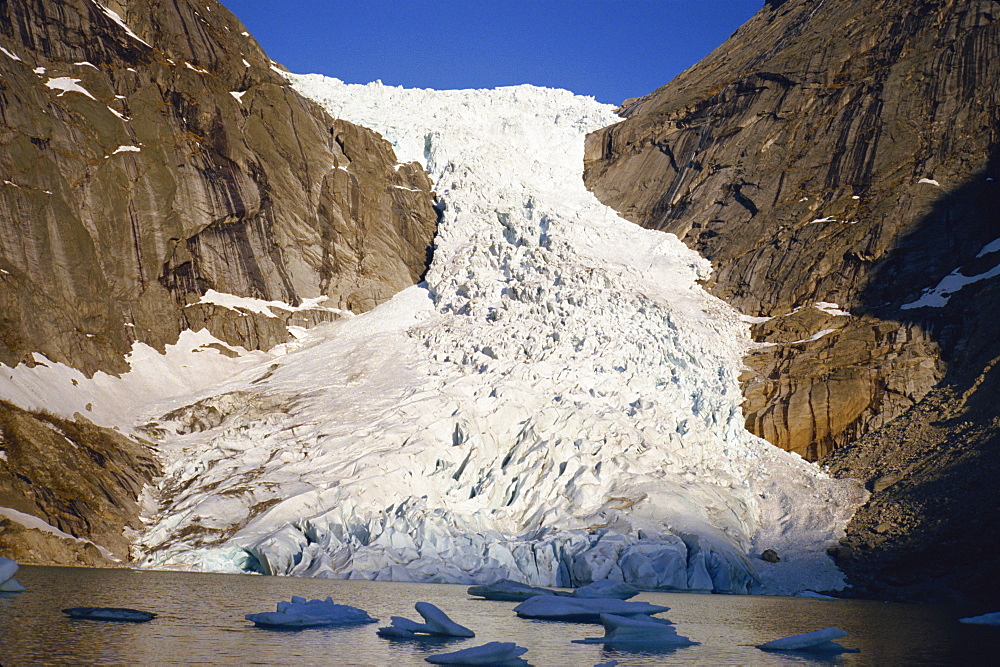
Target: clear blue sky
[{"x": 610, "y": 49}]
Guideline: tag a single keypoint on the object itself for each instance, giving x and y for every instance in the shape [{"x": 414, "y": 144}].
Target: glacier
[{"x": 558, "y": 403}]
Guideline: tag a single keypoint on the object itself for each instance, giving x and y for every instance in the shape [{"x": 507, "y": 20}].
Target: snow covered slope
[{"x": 557, "y": 404}]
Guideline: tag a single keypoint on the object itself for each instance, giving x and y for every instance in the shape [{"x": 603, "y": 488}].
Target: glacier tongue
[{"x": 557, "y": 404}]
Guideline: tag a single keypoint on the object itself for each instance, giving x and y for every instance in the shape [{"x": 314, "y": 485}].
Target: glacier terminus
[{"x": 557, "y": 403}]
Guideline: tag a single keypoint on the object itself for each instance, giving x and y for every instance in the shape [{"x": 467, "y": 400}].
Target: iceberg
[
  {"x": 817, "y": 641},
  {"x": 605, "y": 588},
  {"x": 638, "y": 633},
  {"x": 992, "y": 618},
  {"x": 509, "y": 591},
  {"x": 117, "y": 614},
  {"x": 582, "y": 610},
  {"x": 8, "y": 584},
  {"x": 493, "y": 653},
  {"x": 436, "y": 623},
  {"x": 301, "y": 613}
]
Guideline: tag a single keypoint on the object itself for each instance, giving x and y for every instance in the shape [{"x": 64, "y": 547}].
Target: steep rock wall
[
  {"x": 150, "y": 152},
  {"x": 830, "y": 151},
  {"x": 839, "y": 163}
]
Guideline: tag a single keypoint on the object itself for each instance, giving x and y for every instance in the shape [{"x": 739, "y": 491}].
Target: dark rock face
[
  {"x": 151, "y": 152},
  {"x": 791, "y": 157},
  {"x": 143, "y": 166},
  {"x": 79, "y": 478},
  {"x": 849, "y": 153}
]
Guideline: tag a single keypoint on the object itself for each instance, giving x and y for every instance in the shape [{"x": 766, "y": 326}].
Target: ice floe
[
  {"x": 992, "y": 618},
  {"x": 8, "y": 584},
  {"x": 114, "y": 614},
  {"x": 605, "y": 588},
  {"x": 301, "y": 613},
  {"x": 436, "y": 623},
  {"x": 638, "y": 633},
  {"x": 509, "y": 591},
  {"x": 493, "y": 653},
  {"x": 817, "y": 641},
  {"x": 582, "y": 610}
]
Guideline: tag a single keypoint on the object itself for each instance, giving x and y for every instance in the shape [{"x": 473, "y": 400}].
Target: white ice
[
  {"x": 582, "y": 610},
  {"x": 8, "y": 584},
  {"x": 605, "y": 588},
  {"x": 493, "y": 653},
  {"x": 302, "y": 613},
  {"x": 992, "y": 618},
  {"x": 558, "y": 404},
  {"x": 508, "y": 591},
  {"x": 817, "y": 639},
  {"x": 436, "y": 623},
  {"x": 637, "y": 633}
]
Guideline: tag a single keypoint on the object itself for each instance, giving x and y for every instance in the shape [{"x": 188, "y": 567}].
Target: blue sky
[{"x": 610, "y": 49}]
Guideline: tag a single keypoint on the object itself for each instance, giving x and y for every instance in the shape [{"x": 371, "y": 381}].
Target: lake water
[{"x": 201, "y": 620}]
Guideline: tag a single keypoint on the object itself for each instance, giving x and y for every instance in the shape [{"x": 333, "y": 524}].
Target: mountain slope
[
  {"x": 839, "y": 163},
  {"x": 558, "y": 404},
  {"x": 159, "y": 176}
]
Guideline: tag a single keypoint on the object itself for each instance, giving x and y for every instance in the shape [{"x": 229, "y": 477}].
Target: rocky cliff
[
  {"x": 838, "y": 162},
  {"x": 151, "y": 154}
]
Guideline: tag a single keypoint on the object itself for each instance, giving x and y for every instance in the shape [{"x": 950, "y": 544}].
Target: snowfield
[{"x": 557, "y": 404}]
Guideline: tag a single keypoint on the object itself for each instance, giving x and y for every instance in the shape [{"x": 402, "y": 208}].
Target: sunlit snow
[
  {"x": 557, "y": 404},
  {"x": 68, "y": 85}
]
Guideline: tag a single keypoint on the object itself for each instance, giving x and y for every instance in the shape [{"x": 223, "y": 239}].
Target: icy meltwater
[{"x": 201, "y": 620}]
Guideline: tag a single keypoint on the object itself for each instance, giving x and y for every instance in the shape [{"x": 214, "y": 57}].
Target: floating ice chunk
[
  {"x": 815, "y": 641},
  {"x": 493, "y": 653},
  {"x": 582, "y": 610},
  {"x": 992, "y": 618},
  {"x": 68, "y": 85},
  {"x": 605, "y": 588},
  {"x": 436, "y": 623},
  {"x": 302, "y": 613},
  {"x": 116, "y": 614},
  {"x": 8, "y": 584},
  {"x": 637, "y": 632},
  {"x": 929, "y": 181},
  {"x": 508, "y": 591},
  {"x": 814, "y": 595}
]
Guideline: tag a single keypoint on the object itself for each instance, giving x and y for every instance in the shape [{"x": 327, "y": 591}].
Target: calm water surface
[{"x": 201, "y": 621}]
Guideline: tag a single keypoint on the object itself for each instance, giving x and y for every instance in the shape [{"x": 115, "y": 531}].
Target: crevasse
[{"x": 557, "y": 404}]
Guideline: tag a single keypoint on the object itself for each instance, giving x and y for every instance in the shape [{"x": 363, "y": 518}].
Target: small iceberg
[
  {"x": 493, "y": 653},
  {"x": 506, "y": 590},
  {"x": 582, "y": 610},
  {"x": 301, "y": 613},
  {"x": 638, "y": 633},
  {"x": 116, "y": 614},
  {"x": 992, "y": 618},
  {"x": 605, "y": 588},
  {"x": 8, "y": 584},
  {"x": 818, "y": 641},
  {"x": 436, "y": 624}
]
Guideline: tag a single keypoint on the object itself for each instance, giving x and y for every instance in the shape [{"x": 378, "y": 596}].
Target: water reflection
[{"x": 201, "y": 620}]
